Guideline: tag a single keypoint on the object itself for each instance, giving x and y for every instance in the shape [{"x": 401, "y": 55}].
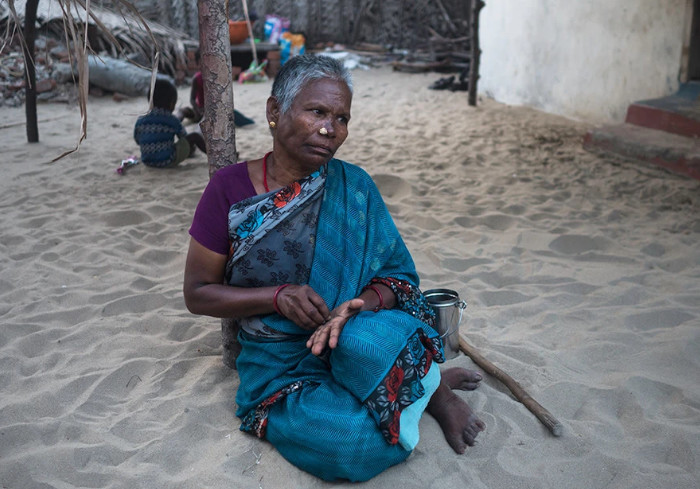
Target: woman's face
[{"x": 316, "y": 124}]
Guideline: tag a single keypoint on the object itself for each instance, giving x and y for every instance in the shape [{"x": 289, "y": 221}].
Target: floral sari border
[{"x": 402, "y": 385}]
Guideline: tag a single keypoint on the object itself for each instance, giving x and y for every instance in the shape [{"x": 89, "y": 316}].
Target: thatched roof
[{"x": 120, "y": 32}]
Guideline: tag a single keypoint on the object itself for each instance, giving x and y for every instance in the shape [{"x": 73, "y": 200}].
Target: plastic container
[{"x": 237, "y": 31}]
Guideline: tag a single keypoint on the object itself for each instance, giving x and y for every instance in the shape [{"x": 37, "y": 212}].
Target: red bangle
[
  {"x": 379, "y": 294},
  {"x": 274, "y": 298}
]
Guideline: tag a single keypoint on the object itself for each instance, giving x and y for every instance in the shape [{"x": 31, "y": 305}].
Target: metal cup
[{"x": 449, "y": 309}]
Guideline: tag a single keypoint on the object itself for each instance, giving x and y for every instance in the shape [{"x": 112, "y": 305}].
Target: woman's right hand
[
  {"x": 327, "y": 335},
  {"x": 303, "y": 306}
]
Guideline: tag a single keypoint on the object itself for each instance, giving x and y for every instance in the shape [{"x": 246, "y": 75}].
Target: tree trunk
[
  {"x": 118, "y": 75},
  {"x": 217, "y": 124},
  {"x": 215, "y": 51},
  {"x": 30, "y": 71}
]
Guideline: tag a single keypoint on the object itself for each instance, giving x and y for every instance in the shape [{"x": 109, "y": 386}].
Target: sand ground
[{"x": 582, "y": 275}]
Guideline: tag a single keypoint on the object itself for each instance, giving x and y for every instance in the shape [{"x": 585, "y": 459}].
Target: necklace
[{"x": 267, "y": 189}]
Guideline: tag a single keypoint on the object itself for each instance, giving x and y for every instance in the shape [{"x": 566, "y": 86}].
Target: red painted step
[
  {"x": 680, "y": 154},
  {"x": 674, "y": 114}
]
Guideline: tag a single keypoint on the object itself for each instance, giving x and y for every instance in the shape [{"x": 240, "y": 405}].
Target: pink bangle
[
  {"x": 379, "y": 294},
  {"x": 274, "y": 298}
]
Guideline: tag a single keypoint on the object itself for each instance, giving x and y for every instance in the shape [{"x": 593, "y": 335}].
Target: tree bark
[
  {"x": 217, "y": 124},
  {"x": 30, "y": 71},
  {"x": 215, "y": 63}
]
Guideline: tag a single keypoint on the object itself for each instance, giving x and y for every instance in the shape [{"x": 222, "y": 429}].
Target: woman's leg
[
  {"x": 325, "y": 431},
  {"x": 461, "y": 378},
  {"x": 457, "y": 420}
]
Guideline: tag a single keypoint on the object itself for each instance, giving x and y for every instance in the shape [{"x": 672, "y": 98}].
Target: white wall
[{"x": 584, "y": 59}]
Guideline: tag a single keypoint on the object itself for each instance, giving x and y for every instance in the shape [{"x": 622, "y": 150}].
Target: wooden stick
[
  {"x": 477, "y": 5},
  {"x": 452, "y": 27},
  {"x": 554, "y": 426},
  {"x": 21, "y": 123}
]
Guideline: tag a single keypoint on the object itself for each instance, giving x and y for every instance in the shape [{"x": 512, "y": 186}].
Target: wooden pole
[
  {"x": 30, "y": 71},
  {"x": 365, "y": 5},
  {"x": 554, "y": 426},
  {"x": 477, "y": 5}
]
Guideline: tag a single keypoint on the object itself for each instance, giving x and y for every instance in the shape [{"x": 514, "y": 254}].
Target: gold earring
[
  {"x": 323, "y": 131},
  {"x": 272, "y": 124}
]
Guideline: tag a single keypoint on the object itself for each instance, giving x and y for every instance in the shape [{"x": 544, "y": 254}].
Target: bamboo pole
[
  {"x": 554, "y": 426},
  {"x": 250, "y": 32}
]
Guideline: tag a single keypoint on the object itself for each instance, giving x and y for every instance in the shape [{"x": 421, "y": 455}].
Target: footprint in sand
[
  {"x": 576, "y": 244},
  {"x": 423, "y": 222},
  {"x": 125, "y": 218},
  {"x": 392, "y": 187},
  {"x": 658, "y": 319},
  {"x": 503, "y": 298},
  {"x": 497, "y": 222}
]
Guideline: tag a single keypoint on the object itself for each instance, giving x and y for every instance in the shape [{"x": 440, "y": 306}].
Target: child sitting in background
[
  {"x": 155, "y": 132},
  {"x": 196, "y": 110}
]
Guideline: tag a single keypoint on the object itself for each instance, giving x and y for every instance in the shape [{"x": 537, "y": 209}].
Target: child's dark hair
[{"x": 164, "y": 94}]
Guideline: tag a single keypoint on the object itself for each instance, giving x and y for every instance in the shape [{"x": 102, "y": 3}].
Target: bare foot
[
  {"x": 461, "y": 378},
  {"x": 458, "y": 422}
]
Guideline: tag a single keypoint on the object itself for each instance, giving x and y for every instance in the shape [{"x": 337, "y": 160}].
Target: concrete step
[
  {"x": 680, "y": 154},
  {"x": 677, "y": 114}
]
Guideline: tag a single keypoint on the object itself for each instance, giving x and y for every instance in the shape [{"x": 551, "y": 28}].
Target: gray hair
[{"x": 302, "y": 69}]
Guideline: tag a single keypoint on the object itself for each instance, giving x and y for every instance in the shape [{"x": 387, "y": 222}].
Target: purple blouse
[{"x": 227, "y": 186}]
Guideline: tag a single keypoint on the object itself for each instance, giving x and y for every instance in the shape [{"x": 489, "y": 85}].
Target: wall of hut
[{"x": 585, "y": 60}]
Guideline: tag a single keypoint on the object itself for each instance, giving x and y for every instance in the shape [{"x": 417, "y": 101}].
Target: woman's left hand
[{"x": 327, "y": 334}]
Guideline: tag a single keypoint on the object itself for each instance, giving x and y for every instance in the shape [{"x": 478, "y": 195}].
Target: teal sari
[{"x": 353, "y": 413}]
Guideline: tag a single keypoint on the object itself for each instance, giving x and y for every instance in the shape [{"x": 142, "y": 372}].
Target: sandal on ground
[{"x": 442, "y": 83}]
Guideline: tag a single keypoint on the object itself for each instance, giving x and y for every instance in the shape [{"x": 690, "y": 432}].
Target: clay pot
[{"x": 237, "y": 31}]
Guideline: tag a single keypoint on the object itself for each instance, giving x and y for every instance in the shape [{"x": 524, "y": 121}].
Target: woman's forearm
[
  {"x": 224, "y": 301},
  {"x": 378, "y": 296}
]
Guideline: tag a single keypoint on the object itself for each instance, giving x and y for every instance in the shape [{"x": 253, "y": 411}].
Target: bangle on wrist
[
  {"x": 379, "y": 294},
  {"x": 274, "y": 298}
]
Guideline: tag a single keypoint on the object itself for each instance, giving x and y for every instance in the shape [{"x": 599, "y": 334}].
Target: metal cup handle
[{"x": 461, "y": 305}]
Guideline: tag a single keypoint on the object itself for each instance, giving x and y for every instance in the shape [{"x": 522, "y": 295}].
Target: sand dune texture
[{"x": 582, "y": 275}]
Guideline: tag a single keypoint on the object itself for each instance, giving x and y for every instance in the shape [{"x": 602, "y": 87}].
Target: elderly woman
[{"x": 339, "y": 357}]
